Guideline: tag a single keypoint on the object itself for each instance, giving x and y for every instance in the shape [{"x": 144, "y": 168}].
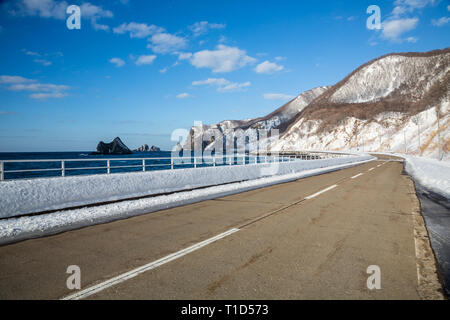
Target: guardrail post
[
  {"x": 143, "y": 165},
  {"x": 214, "y": 161},
  {"x": 195, "y": 162},
  {"x": 63, "y": 168},
  {"x": 231, "y": 161},
  {"x": 108, "y": 167},
  {"x": 171, "y": 163},
  {"x": 2, "y": 176}
]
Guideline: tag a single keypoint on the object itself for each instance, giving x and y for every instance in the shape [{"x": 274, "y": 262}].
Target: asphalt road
[{"x": 283, "y": 244}]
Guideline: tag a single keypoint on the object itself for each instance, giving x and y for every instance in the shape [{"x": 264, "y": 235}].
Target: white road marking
[
  {"x": 320, "y": 192},
  {"x": 358, "y": 175},
  {"x": 135, "y": 272},
  {"x": 371, "y": 169}
]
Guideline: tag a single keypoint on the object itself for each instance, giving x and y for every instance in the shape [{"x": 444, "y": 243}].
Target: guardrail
[
  {"x": 108, "y": 165},
  {"x": 142, "y": 164}
]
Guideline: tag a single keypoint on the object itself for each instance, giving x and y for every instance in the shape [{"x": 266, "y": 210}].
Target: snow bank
[
  {"x": 21, "y": 228},
  {"x": 432, "y": 174},
  {"x": 36, "y": 195}
]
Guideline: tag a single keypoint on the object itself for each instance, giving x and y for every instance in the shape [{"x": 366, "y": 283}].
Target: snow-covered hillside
[
  {"x": 407, "y": 76},
  {"x": 274, "y": 120},
  {"x": 390, "y": 104},
  {"x": 389, "y": 132}
]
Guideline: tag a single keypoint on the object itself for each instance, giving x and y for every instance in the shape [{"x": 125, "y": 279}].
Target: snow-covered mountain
[
  {"x": 278, "y": 119},
  {"x": 389, "y": 104}
]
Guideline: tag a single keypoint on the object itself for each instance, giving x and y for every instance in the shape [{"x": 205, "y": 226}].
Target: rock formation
[{"x": 115, "y": 147}]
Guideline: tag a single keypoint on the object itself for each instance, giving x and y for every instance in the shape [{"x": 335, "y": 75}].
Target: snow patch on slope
[
  {"x": 411, "y": 76},
  {"x": 388, "y": 131}
]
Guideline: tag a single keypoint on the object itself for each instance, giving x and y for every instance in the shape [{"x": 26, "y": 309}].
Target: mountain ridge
[{"x": 374, "y": 108}]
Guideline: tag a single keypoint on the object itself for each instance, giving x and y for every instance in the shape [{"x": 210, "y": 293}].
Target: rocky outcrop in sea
[
  {"x": 116, "y": 147},
  {"x": 146, "y": 148}
]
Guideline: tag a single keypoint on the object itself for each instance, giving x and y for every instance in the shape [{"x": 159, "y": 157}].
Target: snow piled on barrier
[
  {"x": 432, "y": 174},
  {"x": 21, "y": 228},
  {"x": 19, "y": 197}
]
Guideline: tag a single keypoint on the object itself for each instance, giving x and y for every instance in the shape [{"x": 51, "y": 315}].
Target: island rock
[{"x": 115, "y": 147}]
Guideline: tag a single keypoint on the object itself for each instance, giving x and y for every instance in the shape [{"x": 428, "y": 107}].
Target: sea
[{"x": 13, "y": 170}]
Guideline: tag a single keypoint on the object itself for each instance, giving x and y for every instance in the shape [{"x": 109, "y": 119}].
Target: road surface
[{"x": 309, "y": 239}]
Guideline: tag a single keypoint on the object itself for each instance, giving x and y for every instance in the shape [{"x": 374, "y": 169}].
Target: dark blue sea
[
  {"x": 54, "y": 168},
  {"x": 49, "y": 166}
]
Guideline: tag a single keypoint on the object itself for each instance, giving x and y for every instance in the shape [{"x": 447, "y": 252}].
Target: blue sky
[{"x": 141, "y": 69}]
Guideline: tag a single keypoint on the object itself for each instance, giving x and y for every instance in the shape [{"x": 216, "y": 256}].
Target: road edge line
[{"x": 152, "y": 265}]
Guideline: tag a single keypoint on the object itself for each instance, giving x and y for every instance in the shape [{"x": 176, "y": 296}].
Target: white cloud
[
  {"x": 211, "y": 81},
  {"x": 202, "y": 27},
  {"x": 57, "y": 95},
  {"x": 183, "y": 55},
  {"x": 93, "y": 13},
  {"x": 41, "y": 8},
  {"x": 268, "y": 67},
  {"x": 414, "y": 4},
  {"x": 36, "y": 86},
  {"x": 398, "y": 11},
  {"x": 411, "y": 39},
  {"x": 43, "y": 62},
  {"x": 14, "y": 79},
  {"x": 42, "y": 90},
  {"x": 223, "y": 85},
  {"x": 278, "y": 96},
  {"x": 234, "y": 86},
  {"x": 403, "y": 7},
  {"x": 99, "y": 26},
  {"x": 138, "y": 30},
  {"x": 166, "y": 42},
  {"x": 117, "y": 62},
  {"x": 145, "y": 59},
  {"x": 7, "y": 113},
  {"x": 393, "y": 29},
  {"x": 440, "y": 22},
  {"x": 184, "y": 96},
  {"x": 222, "y": 59},
  {"x": 31, "y": 53}
]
